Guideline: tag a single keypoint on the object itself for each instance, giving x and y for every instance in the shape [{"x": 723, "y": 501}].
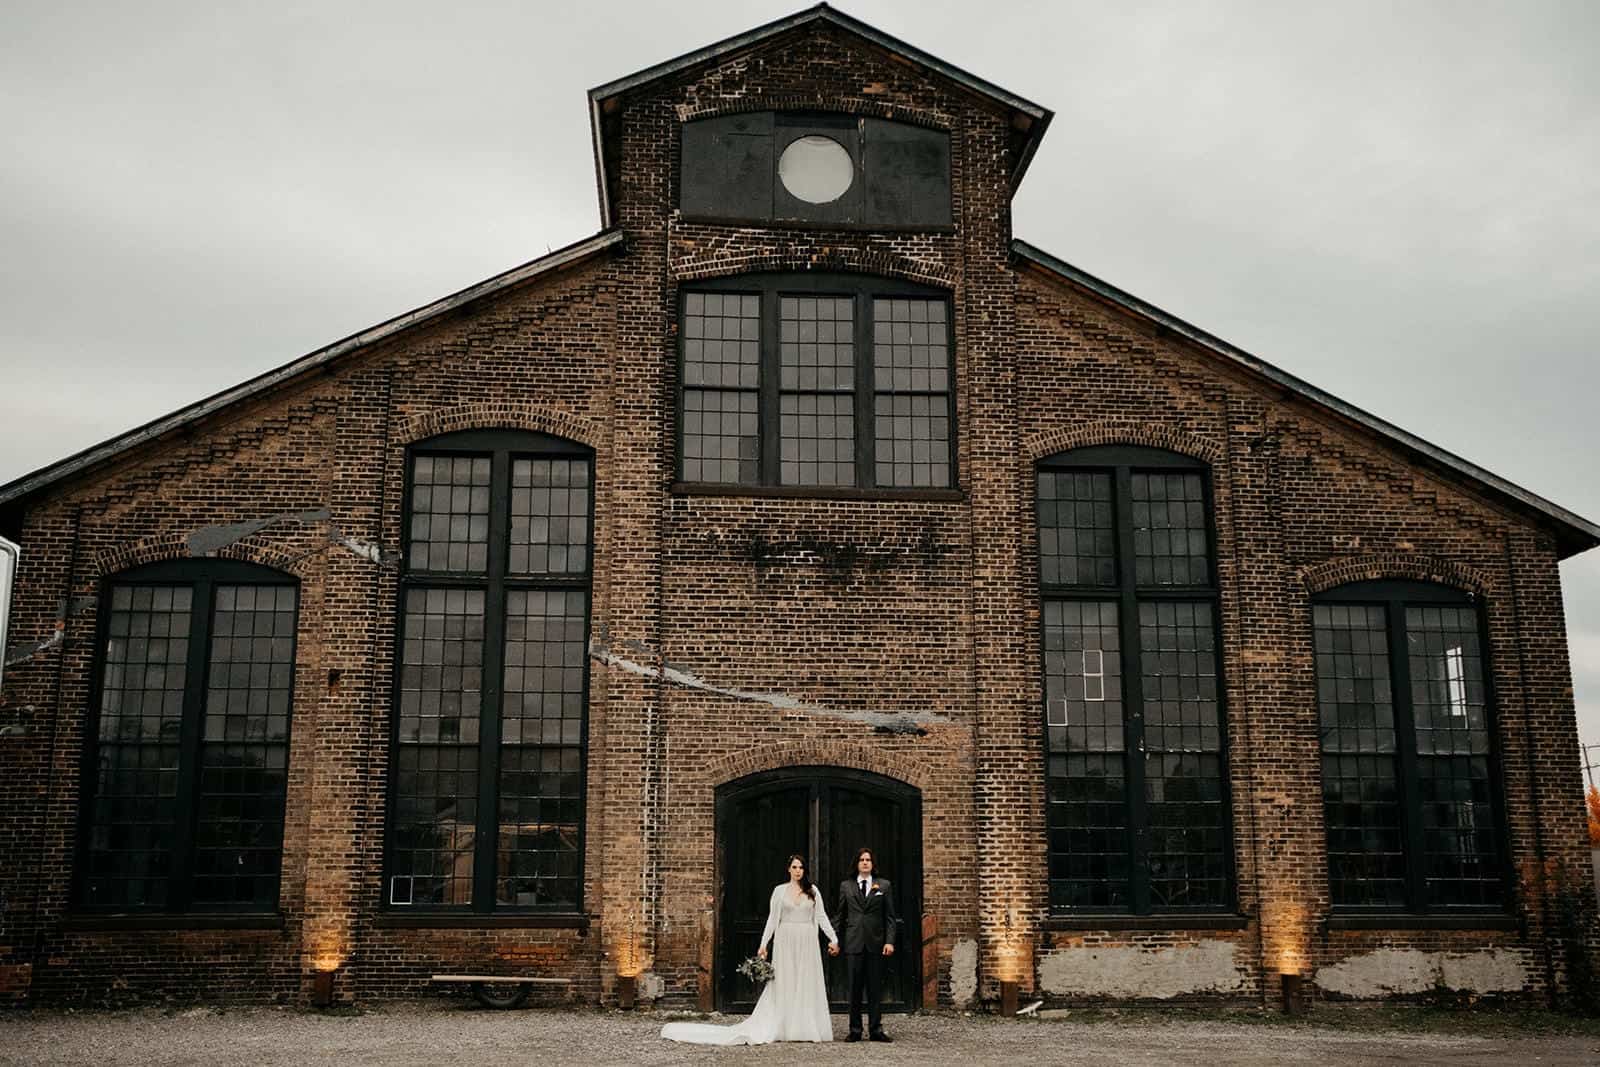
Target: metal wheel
[{"x": 501, "y": 996}]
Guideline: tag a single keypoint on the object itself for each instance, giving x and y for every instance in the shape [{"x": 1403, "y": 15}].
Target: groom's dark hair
[{"x": 865, "y": 851}]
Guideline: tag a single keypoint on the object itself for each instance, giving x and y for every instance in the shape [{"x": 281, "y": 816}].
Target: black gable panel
[
  {"x": 728, "y": 166},
  {"x": 908, "y": 174}
]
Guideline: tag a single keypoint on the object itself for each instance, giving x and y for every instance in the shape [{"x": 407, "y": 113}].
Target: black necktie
[{"x": 863, "y": 884}]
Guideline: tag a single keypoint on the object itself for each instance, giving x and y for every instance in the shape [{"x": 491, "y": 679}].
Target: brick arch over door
[
  {"x": 844, "y": 754},
  {"x": 488, "y": 415},
  {"x": 1342, "y": 570},
  {"x": 1065, "y": 438}
]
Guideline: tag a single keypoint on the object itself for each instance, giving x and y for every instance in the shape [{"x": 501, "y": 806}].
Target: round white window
[{"x": 816, "y": 169}]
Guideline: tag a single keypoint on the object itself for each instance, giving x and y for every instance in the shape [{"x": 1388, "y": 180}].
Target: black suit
[{"x": 864, "y": 925}]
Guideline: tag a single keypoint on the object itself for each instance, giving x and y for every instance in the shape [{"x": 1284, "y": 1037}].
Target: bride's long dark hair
[{"x": 805, "y": 875}]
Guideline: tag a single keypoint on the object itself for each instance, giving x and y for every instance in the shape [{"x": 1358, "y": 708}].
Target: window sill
[
  {"x": 807, "y": 492},
  {"x": 195, "y": 921},
  {"x": 1145, "y": 922},
  {"x": 458, "y": 921},
  {"x": 1407, "y": 921}
]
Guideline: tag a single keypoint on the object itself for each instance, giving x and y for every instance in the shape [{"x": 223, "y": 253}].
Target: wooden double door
[{"x": 824, "y": 814}]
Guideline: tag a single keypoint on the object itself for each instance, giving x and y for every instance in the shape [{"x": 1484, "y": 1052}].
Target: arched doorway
[{"x": 824, "y": 813}]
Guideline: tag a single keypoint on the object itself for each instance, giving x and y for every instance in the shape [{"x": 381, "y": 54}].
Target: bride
[{"x": 794, "y": 1005}]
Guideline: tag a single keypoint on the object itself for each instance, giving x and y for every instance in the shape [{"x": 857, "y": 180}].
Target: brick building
[{"x": 802, "y": 506}]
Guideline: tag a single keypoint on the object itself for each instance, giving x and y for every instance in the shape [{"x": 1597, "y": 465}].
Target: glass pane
[
  {"x": 541, "y": 780},
  {"x": 816, "y": 169},
  {"x": 450, "y": 513},
  {"x": 817, "y": 439},
  {"x": 1449, "y": 707},
  {"x": 441, "y": 683},
  {"x": 817, "y": 343},
  {"x": 244, "y": 753},
  {"x": 1170, "y": 541},
  {"x": 1360, "y": 793},
  {"x": 1183, "y": 762},
  {"x": 721, "y": 441},
  {"x": 133, "y": 810},
  {"x": 549, "y": 516},
  {"x": 1077, "y": 535},
  {"x": 721, "y": 340},
  {"x": 1086, "y": 776},
  {"x": 911, "y": 380}
]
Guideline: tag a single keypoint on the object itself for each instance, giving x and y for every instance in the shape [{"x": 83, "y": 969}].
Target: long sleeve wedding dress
[{"x": 794, "y": 1005}]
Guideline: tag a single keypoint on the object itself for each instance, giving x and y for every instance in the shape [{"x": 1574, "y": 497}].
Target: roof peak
[{"x": 1030, "y": 118}]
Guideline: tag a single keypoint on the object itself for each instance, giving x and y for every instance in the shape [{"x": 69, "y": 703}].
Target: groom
[{"x": 866, "y": 925}]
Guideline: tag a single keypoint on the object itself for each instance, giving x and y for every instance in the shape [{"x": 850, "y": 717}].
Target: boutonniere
[{"x": 873, "y": 890}]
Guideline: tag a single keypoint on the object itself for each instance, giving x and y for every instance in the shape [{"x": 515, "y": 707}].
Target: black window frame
[
  {"x": 1121, "y": 462},
  {"x": 1395, "y": 595},
  {"x": 862, "y": 289},
  {"x": 202, "y": 576},
  {"x": 503, "y": 447}
]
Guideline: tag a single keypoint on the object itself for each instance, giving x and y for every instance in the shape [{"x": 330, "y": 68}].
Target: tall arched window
[
  {"x": 1136, "y": 770},
  {"x": 1410, "y": 782},
  {"x": 487, "y": 795},
  {"x": 189, "y": 744}
]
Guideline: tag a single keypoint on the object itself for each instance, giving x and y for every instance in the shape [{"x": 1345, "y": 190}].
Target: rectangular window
[
  {"x": 185, "y": 802},
  {"x": 487, "y": 799},
  {"x": 818, "y": 381},
  {"x": 1136, "y": 772},
  {"x": 721, "y": 368},
  {"x": 911, "y": 392},
  {"x": 817, "y": 418},
  {"x": 1407, "y": 764}
]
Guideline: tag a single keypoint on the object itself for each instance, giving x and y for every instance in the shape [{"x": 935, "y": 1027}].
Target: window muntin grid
[
  {"x": 1170, "y": 527},
  {"x": 1360, "y": 792},
  {"x": 1454, "y": 784},
  {"x": 721, "y": 375},
  {"x": 449, "y": 514},
  {"x": 439, "y": 721},
  {"x": 244, "y": 756},
  {"x": 1185, "y": 794},
  {"x": 1077, "y": 532},
  {"x": 549, "y": 516},
  {"x": 821, "y": 412},
  {"x": 133, "y": 811},
  {"x": 1166, "y": 777},
  {"x": 1087, "y": 788},
  {"x": 816, "y": 417},
  {"x": 185, "y": 803},
  {"x": 911, "y": 392},
  {"x": 1410, "y": 787},
  {"x": 482, "y": 820}
]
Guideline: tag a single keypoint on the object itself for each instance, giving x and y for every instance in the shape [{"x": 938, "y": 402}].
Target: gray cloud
[{"x": 1395, "y": 202}]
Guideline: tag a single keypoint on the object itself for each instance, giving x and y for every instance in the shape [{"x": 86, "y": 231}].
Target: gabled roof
[
  {"x": 47, "y": 476},
  {"x": 1028, "y": 120},
  {"x": 1574, "y": 534}
]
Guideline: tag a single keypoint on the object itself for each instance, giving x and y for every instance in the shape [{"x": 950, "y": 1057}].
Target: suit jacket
[{"x": 865, "y": 923}]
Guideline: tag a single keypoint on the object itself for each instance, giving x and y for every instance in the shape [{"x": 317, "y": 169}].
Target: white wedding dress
[{"x": 794, "y": 1005}]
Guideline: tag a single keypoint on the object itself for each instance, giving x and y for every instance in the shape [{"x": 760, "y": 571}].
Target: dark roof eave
[
  {"x": 1574, "y": 533},
  {"x": 1039, "y": 116},
  {"x": 95, "y": 455}
]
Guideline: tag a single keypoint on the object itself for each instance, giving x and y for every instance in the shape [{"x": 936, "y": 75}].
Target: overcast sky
[{"x": 1397, "y": 202}]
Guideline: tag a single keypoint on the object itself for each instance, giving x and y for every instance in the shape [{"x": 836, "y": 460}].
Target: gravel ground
[{"x": 445, "y": 1033}]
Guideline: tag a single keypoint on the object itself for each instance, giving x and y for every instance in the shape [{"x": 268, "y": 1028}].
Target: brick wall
[{"x": 924, "y": 607}]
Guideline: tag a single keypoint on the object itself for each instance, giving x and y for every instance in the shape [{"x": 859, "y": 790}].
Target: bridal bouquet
[{"x": 758, "y": 970}]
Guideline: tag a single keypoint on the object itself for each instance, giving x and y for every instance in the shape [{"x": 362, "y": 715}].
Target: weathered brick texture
[{"x": 922, "y": 606}]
